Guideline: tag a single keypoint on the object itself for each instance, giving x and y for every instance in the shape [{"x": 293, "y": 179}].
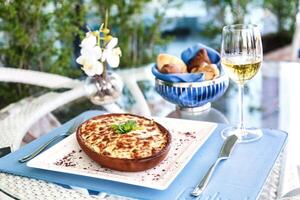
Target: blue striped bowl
[{"x": 194, "y": 94}]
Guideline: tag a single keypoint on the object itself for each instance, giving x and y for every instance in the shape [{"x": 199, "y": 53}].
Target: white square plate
[{"x": 187, "y": 137}]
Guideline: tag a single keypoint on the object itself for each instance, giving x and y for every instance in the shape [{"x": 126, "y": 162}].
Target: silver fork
[{"x": 44, "y": 146}]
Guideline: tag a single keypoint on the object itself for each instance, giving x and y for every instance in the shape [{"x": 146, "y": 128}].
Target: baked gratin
[{"x": 124, "y": 142}]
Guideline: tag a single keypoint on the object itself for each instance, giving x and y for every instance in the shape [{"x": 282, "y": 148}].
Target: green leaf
[{"x": 125, "y": 127}]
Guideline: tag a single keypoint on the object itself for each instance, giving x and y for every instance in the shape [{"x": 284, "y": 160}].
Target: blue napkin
[
  {"x": 176, "y": 77},
  {"x": 186, "y": 56},
  {"x": 191, "y": 52},
  {"x": 241, "y": 177}
]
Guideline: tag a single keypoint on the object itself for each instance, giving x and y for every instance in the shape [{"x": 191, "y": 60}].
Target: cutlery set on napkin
[{"x": 224, "y": 154}]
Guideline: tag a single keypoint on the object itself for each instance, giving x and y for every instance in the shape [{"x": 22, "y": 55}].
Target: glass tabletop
[{"x": 270, "y": 101}]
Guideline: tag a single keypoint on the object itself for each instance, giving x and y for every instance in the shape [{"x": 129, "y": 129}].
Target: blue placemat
[{"x": 241, "y": 177}]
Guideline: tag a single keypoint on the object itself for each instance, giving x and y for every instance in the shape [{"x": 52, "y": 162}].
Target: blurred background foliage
[
  {"x": 44, "y": 35},
  {"x": 139, "y": 34},
  {"x": 38, "y": 35},
  {"x": 285, "y": 11},
  {"x": 234, "y": 12}
]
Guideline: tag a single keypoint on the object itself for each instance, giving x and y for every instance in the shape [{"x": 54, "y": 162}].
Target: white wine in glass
[{"x": 241, "y": 57}]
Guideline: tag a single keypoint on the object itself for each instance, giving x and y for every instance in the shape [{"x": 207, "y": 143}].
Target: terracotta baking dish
[{"x": 122, "y": 164}]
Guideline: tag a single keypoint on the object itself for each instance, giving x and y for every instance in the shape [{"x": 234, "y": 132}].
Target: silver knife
[{"x": 224, "y": 154}]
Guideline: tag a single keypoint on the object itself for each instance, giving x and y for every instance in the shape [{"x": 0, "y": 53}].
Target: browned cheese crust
[{"x": 98, "y": 139}]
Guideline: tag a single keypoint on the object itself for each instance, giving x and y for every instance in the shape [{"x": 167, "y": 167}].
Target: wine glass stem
[{"x": 241, "y": 110}]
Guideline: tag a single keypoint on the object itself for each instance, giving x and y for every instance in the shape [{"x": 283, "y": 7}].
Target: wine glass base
[
  {"x": 244, "y": 136},
  {"x": 199, "y": 109}
]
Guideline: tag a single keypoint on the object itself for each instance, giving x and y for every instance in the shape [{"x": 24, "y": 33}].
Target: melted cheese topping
[{"x": 98, "y": 135}]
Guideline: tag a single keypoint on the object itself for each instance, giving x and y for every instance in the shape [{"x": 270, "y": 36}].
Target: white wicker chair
[
  {"x": 130, "y": 77},
  {"x": 17, "y": 118}
]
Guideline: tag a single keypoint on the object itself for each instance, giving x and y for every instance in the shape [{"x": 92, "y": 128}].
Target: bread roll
[
  {"x": 168, "y": 61},
  {"x": 211, "y": 71},
  {"x": 170, "y": 69},
  {"x": 200, "y": 59}
]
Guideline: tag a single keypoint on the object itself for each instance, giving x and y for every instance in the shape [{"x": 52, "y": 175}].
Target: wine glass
[{"x": 241, "y": 57}]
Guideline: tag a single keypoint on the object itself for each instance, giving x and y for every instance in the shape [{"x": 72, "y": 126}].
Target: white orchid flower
[
  {"x": 90, "y": 40},
  {"x": 93, "y": 68},
  {"x": 89, "y": 59},
  {"x": 111, "y": 54},
  {"x": 93, "y": 52}
]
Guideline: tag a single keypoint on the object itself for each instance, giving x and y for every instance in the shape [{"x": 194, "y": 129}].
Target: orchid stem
[
  {"x": 106, "y": 19},
  {"x": 98, "y": 41},
  {"x": 104, "y": 71},
  {"x": 105, "y": 27}
]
